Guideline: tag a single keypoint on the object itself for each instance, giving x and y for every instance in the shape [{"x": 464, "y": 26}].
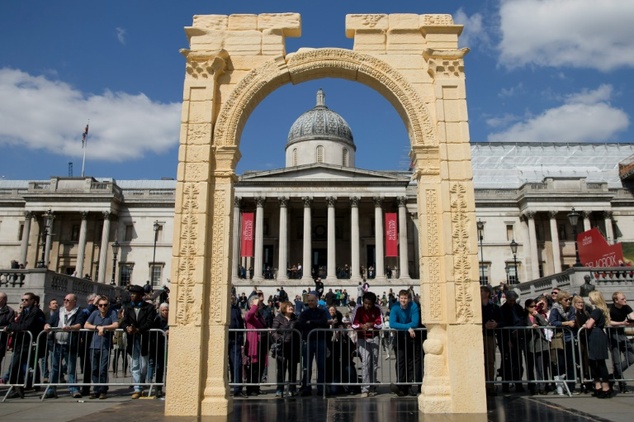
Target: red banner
[
  {"x": 595, "y": 252},
  {"x": 391, "y": 234},
  {"x": 246, "y": 235}
]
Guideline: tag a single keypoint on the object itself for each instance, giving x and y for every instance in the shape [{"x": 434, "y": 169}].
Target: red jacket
[{"x": 363, "y": 316}]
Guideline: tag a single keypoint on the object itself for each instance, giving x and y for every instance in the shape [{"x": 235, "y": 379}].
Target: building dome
[{"x": 320, "y": 135}]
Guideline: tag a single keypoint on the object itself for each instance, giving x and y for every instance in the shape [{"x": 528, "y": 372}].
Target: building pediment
[{"x": 322, "y": 173}]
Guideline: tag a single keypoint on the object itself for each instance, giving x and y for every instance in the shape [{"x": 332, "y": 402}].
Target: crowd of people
[
  {"x": 560, "y": 340},
  {"x": 75, "y": 346},
  {"x": 312, "y": 331}
]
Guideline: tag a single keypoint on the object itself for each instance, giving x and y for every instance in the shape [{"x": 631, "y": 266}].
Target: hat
[{"x": 136, "y": 289}]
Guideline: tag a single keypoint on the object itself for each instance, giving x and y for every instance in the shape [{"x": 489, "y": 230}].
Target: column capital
[
  {"x": 608, "y": 215},
  {"x": 331, "y": 200},
  {"x": 307, "y": 201},
  {"x": 237, "y": 201},
  {"x": 528, "y": 215},
  {"x": 28, "y": 214},
  {"x": 553, "y": 214},
  {"x": 378, "y": 200},
  {"x": 402, "y": 201},
  {"x": 586, "y": 214},
  {"x": 354, "y": 201},
  {"x": 283, "y": 201},
  {"x": 84, "y": 215},
  {"x": 259, "y": 201},
  {"x": 107, "y": 215}
]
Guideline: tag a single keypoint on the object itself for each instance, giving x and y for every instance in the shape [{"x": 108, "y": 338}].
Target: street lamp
[
  {"x": 514, "y": 250},
  {"x": 480, "y": 238},
  {"x": 45, "y": 233},
  {"x": 506, "y": 270},
  {"x": 157, "y": 226},
  {"x": 573, "y": 218},
  {"x": 115, "y": 251}
]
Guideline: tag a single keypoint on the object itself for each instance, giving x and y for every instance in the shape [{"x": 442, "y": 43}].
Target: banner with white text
[
  {"x": 391, "y": 234},
  {"x": 246, "y": 235}
]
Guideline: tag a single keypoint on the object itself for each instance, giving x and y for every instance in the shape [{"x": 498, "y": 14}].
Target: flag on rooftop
[{"x": 83, "y": 137}]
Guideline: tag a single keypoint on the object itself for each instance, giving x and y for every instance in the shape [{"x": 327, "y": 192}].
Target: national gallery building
[{"x": 322, "y": 216}]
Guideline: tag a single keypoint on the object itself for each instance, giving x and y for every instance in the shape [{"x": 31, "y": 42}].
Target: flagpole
[{"x": 83, "y": 147}]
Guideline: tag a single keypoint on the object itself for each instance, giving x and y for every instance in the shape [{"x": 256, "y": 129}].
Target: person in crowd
[
  {"x": 313, "y": 345},
  {"x": 7, "y": 315},
  {"x": 119, "y": 346},
  {"x": 299, "y": 305},
  {"x": 536, "y": 347},
  {"x": 598, "y": 344},
  {"x": 236, "y": 340},
  {"x": 405, "y": 318},
  {"x": 330, "y": 297},
  {"x": 582, "y": 313},
  {"x": 45, "y": 362},
  {"x": 138, "y": 319},
  {"x": 511, "y": 342},
  {"x": 84, "y": 345},
  {"x": 104, "y": 321},
  {"x": 282, "y": 295},
  {"x": 553, "y": 297},
  {"x": 243, "y": 301},
  {"x": 491, "y": 318},
  {"x": 158, "y": 348},
  {"x": 562, "y": 317},
  {"x": 256, "y": 346},
  {"x": 367, "y": 319},
  {"x": 66, "y": 325},
  {"x": 267, "y": 310},
  {"x": 622, "y": 349},
  {"x": 288, "y": 353},
  {"x": 319, "y": 287}
]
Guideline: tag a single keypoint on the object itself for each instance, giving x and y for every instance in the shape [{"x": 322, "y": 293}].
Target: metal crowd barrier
[
  {"x": 332, "y": 360},
  {"x": 16, "y": 360},
  {"x": 57, "y": 361},
  {"x": 620, "y": 355}
]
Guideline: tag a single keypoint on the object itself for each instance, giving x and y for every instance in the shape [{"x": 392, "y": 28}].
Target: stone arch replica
[{"x": 236, "y": 61}]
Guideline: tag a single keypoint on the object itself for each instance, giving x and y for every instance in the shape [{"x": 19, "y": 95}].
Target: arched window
[
  {"x": 294, "y": 159},
  {"x": 320, "y": 154},
  {"x": 345, "y": 159}
]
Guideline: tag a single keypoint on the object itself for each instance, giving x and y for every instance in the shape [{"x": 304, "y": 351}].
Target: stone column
[
  {"x": 26, "y": 232},
  {"x": 48, "y": 221},
  {"x": 235, "y": 247},
  {"x": 259, "y": 239},
  {"x": 530, "y": 216},
  {"x": 307, "y": 245},
  {"x": 378, "y": 240},
  {"x": 81, "y": 247},
  {"x": 282, "y": 261},
  {"x": 609, "y": 232},
  {"x": 403, "y": 254},
  {"x": 355, "y": 265},
  {"x": 554, "y": 236},
  {"x": 332, "y": 255},
  {"x": 103, "y": 251},
  {"x": 586, "y": 220}
]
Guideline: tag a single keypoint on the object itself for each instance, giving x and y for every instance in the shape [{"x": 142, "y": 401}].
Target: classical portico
[{"x": 232, "y": 64}]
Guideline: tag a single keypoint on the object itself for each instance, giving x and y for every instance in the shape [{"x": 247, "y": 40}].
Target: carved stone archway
[{"x": 233, "y": 64}]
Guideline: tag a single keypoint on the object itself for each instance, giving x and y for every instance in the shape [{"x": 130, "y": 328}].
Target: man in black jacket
[
  {"x": 138, "y": 319},
  {"x": 236, "y": 340},
  {"x": 30, "y": 320}
]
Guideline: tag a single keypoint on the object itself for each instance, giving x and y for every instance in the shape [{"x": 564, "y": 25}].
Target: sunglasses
[
  {"x": 25, "y": 300},
  {"x": 103, "y": 305}
]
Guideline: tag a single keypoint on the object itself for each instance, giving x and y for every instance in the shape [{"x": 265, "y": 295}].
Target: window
[
  {"x": 294, "y": 159},
  {"x": 129, "y": 232},
  {"x": 345, "y": 159},
  {"x": 125, "y": 273},
  {"x": 74, "y": 233},
  {"x": 513, "y": 271},
  {"x": 320, "y": 154},
  {"x": 510, "y": 235},
  {"x": 484, "y": 273},
  {"x": 21, "y": 231},
  {"x": 156, "y": 271}
]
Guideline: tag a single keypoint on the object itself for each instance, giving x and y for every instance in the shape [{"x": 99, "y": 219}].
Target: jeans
[
  {"x": 139, "y": 365},
  {"x": 314, "y": 348},
  {"x": 61, "y": 352},
  {"x": 235, "y": 362},
  {"x": 99, "y": 365},
  {"x": 622, "y": 354}
]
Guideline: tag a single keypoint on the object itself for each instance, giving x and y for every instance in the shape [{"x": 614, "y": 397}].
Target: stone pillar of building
[
  {"x": 235, "y": 247},
  {"x": 331, "y": 267},
  {"x": 554, "y": 237},
  {"x": 307, "y": 243},
  {"x": 49, "y": 221},
  {"x": 81, "y": 246},
  {"x": 403, "y": 254},
  {"x": 26, "y": 232},
  {"x": 355, "y": 264},
  {"x": 379, "y": 241},
  {"x": 586, "y": 220},
  {"x": 532, "y": 233},
  {"x": 259, "y": 240},
  {"x": 103, "y": 251},
  {"x": 609, "y": 231},
  {"x": 282, "y": 260}
]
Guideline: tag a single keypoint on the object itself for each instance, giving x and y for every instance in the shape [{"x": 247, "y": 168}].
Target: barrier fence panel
[
  {"x": 620, "y": 356},
  {"x": 16, "y": 361},
  {"x": 334, "y": 361}
]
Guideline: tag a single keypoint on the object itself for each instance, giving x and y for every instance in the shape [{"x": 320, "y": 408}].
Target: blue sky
[{"x": 538, "y": 71}]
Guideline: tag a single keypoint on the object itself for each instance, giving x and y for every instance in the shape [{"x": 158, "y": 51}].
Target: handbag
[
  {"x": 557, "y": 341},
  {"x": 276, "y": 349}
]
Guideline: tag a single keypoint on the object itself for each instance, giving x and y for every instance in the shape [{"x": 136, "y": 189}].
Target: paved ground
[{"x": 120, "y": 408}]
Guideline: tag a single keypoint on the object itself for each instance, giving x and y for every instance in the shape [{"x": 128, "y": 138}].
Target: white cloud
[
  {"x": 577, "y": 33},
  {"x": 43, "y": 114},
  {"x": 586, "y": 116},
  {"x": 474, "y": 32},
  {"x": 120, "y": 34}
]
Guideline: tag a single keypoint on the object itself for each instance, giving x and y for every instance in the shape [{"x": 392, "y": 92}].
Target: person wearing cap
[
  {"x": 138, "y": 319},
  {"x": 313, "y": 345}
]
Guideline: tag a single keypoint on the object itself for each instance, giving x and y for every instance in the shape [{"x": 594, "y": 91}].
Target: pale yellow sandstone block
[
  {"x": 241, "y": 22},
  {"x": 198, "y": 112},
  {"x": 212, "y": 22},
  {"x": 290, "y": 23},
  {"x": 244, "y": 43},
  {"x": 404, "y": 21}
]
